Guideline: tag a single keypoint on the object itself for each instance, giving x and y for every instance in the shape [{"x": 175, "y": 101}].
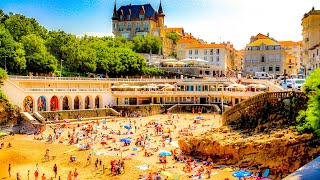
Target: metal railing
[
  {"x": 186, "y": 93},
  {"x": 66, "y": 89}
]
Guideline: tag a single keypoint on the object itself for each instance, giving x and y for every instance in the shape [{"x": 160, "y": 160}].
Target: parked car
[
  {"x": 289, "y": 83},
  {"x": 260, "y": 75},
  {"x": 297, "y": 84}
]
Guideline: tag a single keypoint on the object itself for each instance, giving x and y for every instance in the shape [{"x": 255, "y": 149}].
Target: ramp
[
  {"x": 39, "y": 117},
  {"x": 28, "y": 117}
]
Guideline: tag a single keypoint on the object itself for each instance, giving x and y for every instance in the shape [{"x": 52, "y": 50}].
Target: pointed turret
[
  {"x": 160, "y": 11},
  {"x": 115, "y": 13}
]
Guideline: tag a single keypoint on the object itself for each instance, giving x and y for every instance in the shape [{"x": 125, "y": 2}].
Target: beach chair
[{"x": 266, "y": 173}]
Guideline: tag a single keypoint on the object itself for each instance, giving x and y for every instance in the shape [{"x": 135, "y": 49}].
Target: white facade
[{"x": 216, "y": 58}]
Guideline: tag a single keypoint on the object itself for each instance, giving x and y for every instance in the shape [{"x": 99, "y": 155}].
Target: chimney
[
  {"x": 268, "y": 34},
  {"x": 252, "y": 39}
]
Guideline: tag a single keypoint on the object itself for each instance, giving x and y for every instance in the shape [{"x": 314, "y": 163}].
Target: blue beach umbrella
[
  {"x": 241, "y": 174},
  {"x": 127, "y": 127},
  {"x": 126, "y": 140},
  {"x": 199, "y": 117},
  {"x": 164, "y": 153}
]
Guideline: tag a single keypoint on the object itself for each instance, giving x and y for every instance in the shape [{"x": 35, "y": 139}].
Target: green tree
[
  {"x": 37, "y": 56},
  {"x": 309, "y": 120},
  {"x": 173, "y": 36},
  {"x": 147, "y": 44},
  {"x": 12, "y": 52},
  {"x": 20, "y": 26},
  {"x": 3, "y": 16}
]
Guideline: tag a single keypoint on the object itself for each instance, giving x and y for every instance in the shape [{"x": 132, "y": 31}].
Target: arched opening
[
  {"x": 42, "y": 103},
  {"x": 98, "y": 102},
  {"x": 65, "y": 103},
  {"x": 76, "y": 103},
  {"x": 87, "y": 104},
  {"x": 28, "y": 104},
  {"x": 54, "y": 103}
]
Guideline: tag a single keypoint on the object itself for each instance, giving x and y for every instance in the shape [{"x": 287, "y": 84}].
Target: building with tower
[{"x": 141, "y": 20}]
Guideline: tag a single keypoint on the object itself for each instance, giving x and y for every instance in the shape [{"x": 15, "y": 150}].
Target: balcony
[{"x": 66, "y": 90}]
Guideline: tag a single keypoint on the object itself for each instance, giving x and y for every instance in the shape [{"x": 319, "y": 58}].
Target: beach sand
[{"x": 25, "y": 153}]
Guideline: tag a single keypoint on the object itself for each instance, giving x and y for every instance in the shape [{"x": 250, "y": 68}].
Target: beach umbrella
[
  {"x": 169, "y": 60},
  {"x": 114, "y": 87},
  {"x": 199, "y": 117},
  {"x": 3, "y": 134},
  {"x": 126, "y": 140},
  {"x": 165, "y": 173},
  {"x": 241, "y": 174},
  {"x": 92, "y": 153},
  {"x": 164, "y": 153},
  {"x": 127, "y": 127}
]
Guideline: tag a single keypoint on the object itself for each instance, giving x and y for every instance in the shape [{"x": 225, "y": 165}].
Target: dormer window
[
  {"x": 141, "y": 16},
  {"x": 121, "y": 17},
  {"x": 128, "y": 17}
]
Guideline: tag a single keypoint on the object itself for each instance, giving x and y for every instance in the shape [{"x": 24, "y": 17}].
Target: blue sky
[{"x": 210, "y": 20}]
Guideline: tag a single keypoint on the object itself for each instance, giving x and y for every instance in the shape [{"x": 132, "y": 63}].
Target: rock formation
[{"x": 282, "y": 151}]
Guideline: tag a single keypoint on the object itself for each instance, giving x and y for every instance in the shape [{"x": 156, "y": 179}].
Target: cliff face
[
  {"x": 9, "y": 115},
  {"x": 281, "y": 150}
]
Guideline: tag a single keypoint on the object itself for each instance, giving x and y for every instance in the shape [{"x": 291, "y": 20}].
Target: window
[
  {"x": 138, "y": 26},
  {"x": 121, "y": 27},
  {"x": 128, "y": 17},
  {"x": 262, "y": 58},
  {"x": 247, "y": 58},
  {"x": 270, "y": 68},
  {"x": 141, "y": 16},
  {"x": 126, "y": 100},
  {"x": 114, "y": 26},
  {"x": 205, "y": 58},
  {"x": 248, "y": 69},
  {"x": 190, "y": 52},
  {"x": 254, "y": 58},
  {"x": 129, "y": 27},
  {"x": 205, "y": 52},
  {"x": 218, "y": 59},
  {"x": 211, "y": 51},
  {"x": 211, "y": 58},
  {"x": 278, "y": 58},
  {"x": 121, "y": 17},
  {"x": 271, "y": 57},
  {"x": 146, "y": 26},
  {"x": 218, "y": 51},
  {"x": 196, "y": 52},
  {"x": 254, "y": 69},
  {"x": 263, "y": 68},
  {"x": 277, "y": 68}
]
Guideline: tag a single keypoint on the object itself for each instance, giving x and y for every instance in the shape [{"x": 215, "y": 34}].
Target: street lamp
[
  {"x": 5, "y": 62},
  {"x": 61, "y": 67}
]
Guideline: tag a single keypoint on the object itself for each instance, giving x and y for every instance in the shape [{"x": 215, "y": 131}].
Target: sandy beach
[{"x": 26, "y": 152}]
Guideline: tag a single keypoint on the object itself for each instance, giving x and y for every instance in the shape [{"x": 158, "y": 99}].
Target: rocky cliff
[
  {"x": 9, "y": 115},
  {"x": 282, "y": 151}
]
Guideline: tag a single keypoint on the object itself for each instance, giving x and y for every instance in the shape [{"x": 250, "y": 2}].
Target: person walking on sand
[
  {"x": 18, "y": 176},
  {"x": 9, "y": 170},
  {"x": 36, "y": 175},
  {"x": 43, "y": 177},
  {"x": 28, "y": 174},
  {"x": 70, "y": 175},
  {"x": 75, "y": 174},
  {"x": 89, "y": 160},
  {"x": 55, "y": 170}
]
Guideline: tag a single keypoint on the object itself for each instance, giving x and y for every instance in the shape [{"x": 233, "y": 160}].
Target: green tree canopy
[
  {"x": 147, "y": 44},
  {"x": 38, "y": 58},
  {"x": 173, "y": 36},
  {"x": 20, "y": 26},
  {"x": 12, "y": 52},
  {"x": 309, "y": 120}
]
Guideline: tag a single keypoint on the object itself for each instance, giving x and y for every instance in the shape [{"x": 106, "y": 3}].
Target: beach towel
[{"x": 143, "y": 167}]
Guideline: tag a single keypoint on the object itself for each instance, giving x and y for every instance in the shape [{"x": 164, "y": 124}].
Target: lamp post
[
  {"x": 61, "y": 67},
  {"x": 5, "y": 62}
]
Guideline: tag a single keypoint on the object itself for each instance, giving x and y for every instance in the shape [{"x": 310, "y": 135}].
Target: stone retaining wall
[
  {"x": 144, "y": 110},
  {"x": 72, "y": 114}
]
